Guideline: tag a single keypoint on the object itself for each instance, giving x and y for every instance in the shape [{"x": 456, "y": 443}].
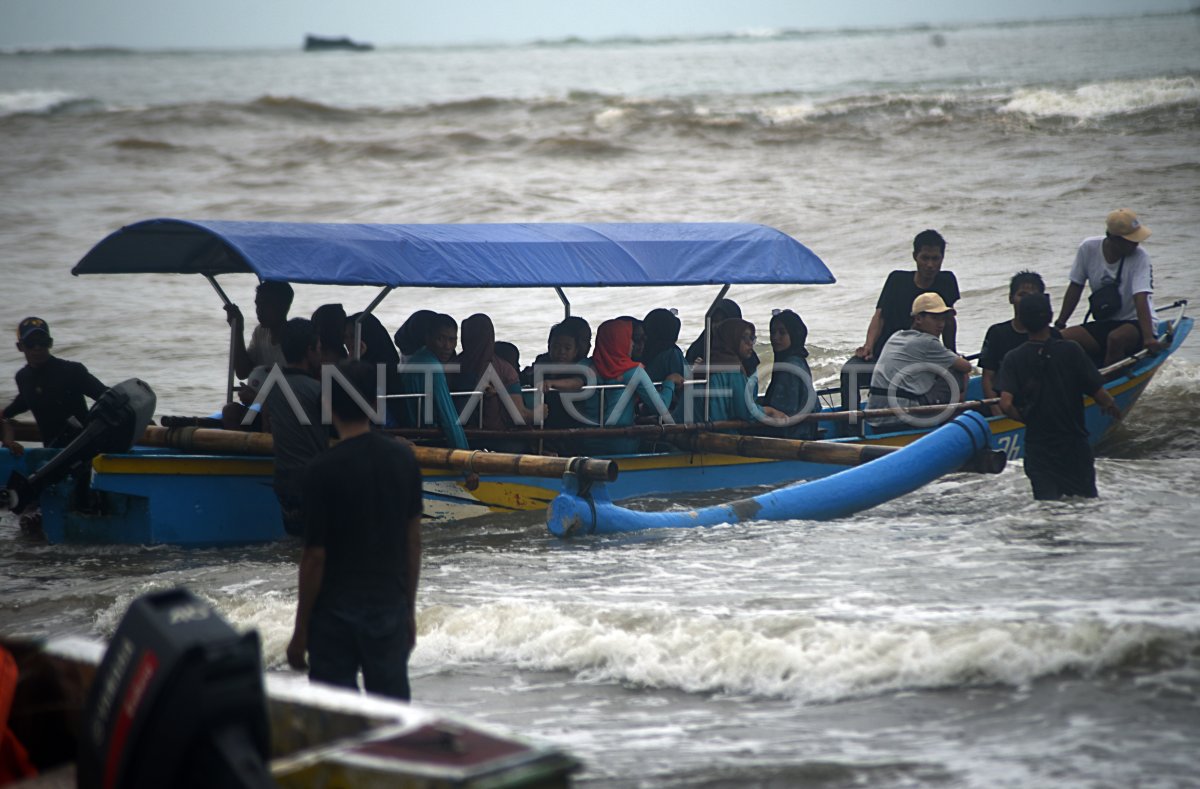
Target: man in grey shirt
[
  {"x": 293, "y": 409},
  {"x": 914, "y": 367}
]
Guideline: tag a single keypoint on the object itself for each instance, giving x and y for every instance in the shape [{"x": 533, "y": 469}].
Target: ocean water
[{"x": 963, "y": 635}]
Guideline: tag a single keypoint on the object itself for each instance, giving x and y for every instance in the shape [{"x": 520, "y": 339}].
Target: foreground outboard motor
[
  {"x": 115, "y": 422},
  {"x": 177, "y": 702}
]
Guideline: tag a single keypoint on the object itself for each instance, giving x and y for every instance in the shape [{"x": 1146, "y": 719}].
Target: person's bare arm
[
  {"x": 989, "y": 390},
  {"x": 312, "y": 573},
  {"x": 1106, "y": 403},
  {"x": 1069, "y": 302},
  {"x": 1009, "y": 408},
  {"x": 413, "y": 573},
  {"x": 1146, "y": 323},
  {"x": 950, "y": 333},
  {"x": 241, "y": 357},
  {"x": 874, "y": 329}
]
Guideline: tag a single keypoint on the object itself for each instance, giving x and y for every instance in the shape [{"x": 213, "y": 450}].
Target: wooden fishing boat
[{"x": 188, "y": 496}]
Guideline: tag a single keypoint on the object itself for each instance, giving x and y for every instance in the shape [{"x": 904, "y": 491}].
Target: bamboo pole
[
  {"x": 536, "y": 434},
  {"x": 234, "y": 442},
  {"x": 783, "y": 448}
]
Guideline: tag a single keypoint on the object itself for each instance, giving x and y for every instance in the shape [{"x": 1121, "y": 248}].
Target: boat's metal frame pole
[
  {"x": 357, "y": 352},
  {"x": 708, "y": 346},
  {"x": 566, "y": 302},
  {"x": 232, "y": 337}
]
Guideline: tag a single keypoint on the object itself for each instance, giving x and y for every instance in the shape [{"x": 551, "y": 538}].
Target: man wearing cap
[
  {"x": 52, "y": 388},
  {"x": 1113, "y": 259},
  {"x": 1042, "y": 383},
  {"x": 914, "y": 368}
]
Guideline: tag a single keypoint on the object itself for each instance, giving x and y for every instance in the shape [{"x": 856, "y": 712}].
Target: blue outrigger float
[{"x": 154, "y": 495}]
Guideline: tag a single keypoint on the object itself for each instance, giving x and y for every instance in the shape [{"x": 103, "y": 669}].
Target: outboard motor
[
  {"x": 115, "y": 422},
  {"x": 177, "y": 701}
]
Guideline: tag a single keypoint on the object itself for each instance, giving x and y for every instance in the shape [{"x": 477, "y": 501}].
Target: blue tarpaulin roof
[{"x": 462, "y": 256}]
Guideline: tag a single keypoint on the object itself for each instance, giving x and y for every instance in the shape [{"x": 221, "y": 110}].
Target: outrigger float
[{"x": 182, "y": 490}]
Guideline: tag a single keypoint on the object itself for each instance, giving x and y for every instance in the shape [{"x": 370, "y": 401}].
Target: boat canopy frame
[{"x": 556, "y": 255}]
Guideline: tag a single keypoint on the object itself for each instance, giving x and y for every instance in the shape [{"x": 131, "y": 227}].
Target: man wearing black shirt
[
  {"x": 52, "y": 388},
  {"x": 1042, "y": 383},
  {"x": 892, "y": 309},
  {"x": 362, "y": 553},
  {"x": 902, "y": 288},
  {"x": 1007, "y": 335}
]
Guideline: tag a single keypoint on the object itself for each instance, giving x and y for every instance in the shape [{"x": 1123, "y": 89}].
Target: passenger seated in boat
[
  {"x": 892, "y": 310},
  {"x": 661, "y": 355},
  {"x": 234, "y": 416},
  {"x": 329, "y": 322},
  {"x": 272, "y": 300},
  {"x": 561, "y": 369},
  {"x": 501, "y": 405},
  {"x": 791, "y": 391},
  {"x": 1004, "y": 336},
  {"x": 724, "y": 310},
  {"x": 410, "y": 337},
  {"x": 639, "y": 337},
  {"x": 509, "y": 353},
  {"x": 376, "y": 348},
  {"x": 915, "y": 368},
  {"x": 1118, "y": 272},
  {"x": 730, "y": 392},
  {"x": 424, "y": 373},
  {"x": 613, "y": 365}
]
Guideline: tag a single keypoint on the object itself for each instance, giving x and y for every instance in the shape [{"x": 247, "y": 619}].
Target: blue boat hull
[{"x": 154, "y": 496}]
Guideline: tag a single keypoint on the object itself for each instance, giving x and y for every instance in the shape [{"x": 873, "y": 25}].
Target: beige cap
[
  {"x": 930, "y": 302},
  {"x": 1124, "y": 223}
]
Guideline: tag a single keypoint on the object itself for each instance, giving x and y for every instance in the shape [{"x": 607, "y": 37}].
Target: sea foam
[{"x": 1103, "y": 99}]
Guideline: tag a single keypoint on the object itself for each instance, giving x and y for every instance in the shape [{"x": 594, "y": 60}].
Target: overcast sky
[{"x": 253, "y": 23}]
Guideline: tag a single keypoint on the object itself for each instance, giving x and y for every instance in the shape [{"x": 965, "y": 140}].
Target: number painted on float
[{"x": 1011, "y": 444}]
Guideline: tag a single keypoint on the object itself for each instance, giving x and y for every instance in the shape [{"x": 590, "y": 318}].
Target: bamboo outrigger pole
[{"x": 234, "y": 442}]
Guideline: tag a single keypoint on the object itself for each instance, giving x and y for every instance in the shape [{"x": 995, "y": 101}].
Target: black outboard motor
[
  {"x": 177, "y": 702},
  {"x": 115, "y": 422}
]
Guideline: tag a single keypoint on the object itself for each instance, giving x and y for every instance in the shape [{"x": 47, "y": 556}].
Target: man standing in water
[
  {"x": 362, "y": 553},
  {"x": 1005, "y": 336},
  {"x": 892, "y": 310},
  {"x": 1042, "y": 383}
]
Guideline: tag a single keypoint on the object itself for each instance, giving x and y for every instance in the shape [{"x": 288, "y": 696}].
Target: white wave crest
[
  {"x": 1103, "y": 99},
  {"x": 779, "y": 656},
  {"x": 34, "y": 101}
]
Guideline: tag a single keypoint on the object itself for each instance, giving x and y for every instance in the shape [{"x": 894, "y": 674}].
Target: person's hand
[
  {"x": 675, "y": 378},
  {"x": 1060, "y": 325},
  {"x": 864, "y": 353},
  {"x": 1154, "y": 345},
  {"x": 15, "y": 448},
  {"x": 246, "y": 394},
  {"x": 547, "y": 385},
  {"x": 542, "y": 412},
  {"x": 1113, "y": 410},
  {"x": 234, "y": 316},
  {"x": 296, "y": 650},
  {"x": 472, "y": 480}
]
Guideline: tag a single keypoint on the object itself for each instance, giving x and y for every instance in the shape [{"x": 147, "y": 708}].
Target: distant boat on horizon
[{"x": 327, "y": 43}]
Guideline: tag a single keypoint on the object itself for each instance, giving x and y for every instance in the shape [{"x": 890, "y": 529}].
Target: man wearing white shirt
[{"x": 1114, "y": 258}]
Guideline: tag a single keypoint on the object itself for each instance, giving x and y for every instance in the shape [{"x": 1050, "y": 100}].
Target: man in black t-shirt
[
  {"x": 52, "y": 388},
  {"x": 892, "y": 310},
  {"x": 362, "y": 553},
  {"x": 1007, "y": 335},
  {"x": 1042, "y": 383}
]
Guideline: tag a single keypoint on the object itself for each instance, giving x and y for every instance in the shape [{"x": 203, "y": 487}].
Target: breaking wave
[
  {"x": 45, "y": 102},
  {"x": 789, "y": 656},
  {"x": 1104, "y": 99}
]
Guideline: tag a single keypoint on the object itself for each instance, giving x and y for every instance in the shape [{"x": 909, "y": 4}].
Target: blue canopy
[{"x": 461, "y": 256}]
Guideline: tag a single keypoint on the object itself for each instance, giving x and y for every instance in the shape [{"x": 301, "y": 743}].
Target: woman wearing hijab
[
  {"x": 410, "y": 337},
  {"x": 791, "y": 389},
  {"x": 329, "y": 322},
  {"x": 479, "y": 366},
  {"x": 733, "y": 392},
  {"x": 724, "y": 310},
  {"x": 614, "y": 366}
]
